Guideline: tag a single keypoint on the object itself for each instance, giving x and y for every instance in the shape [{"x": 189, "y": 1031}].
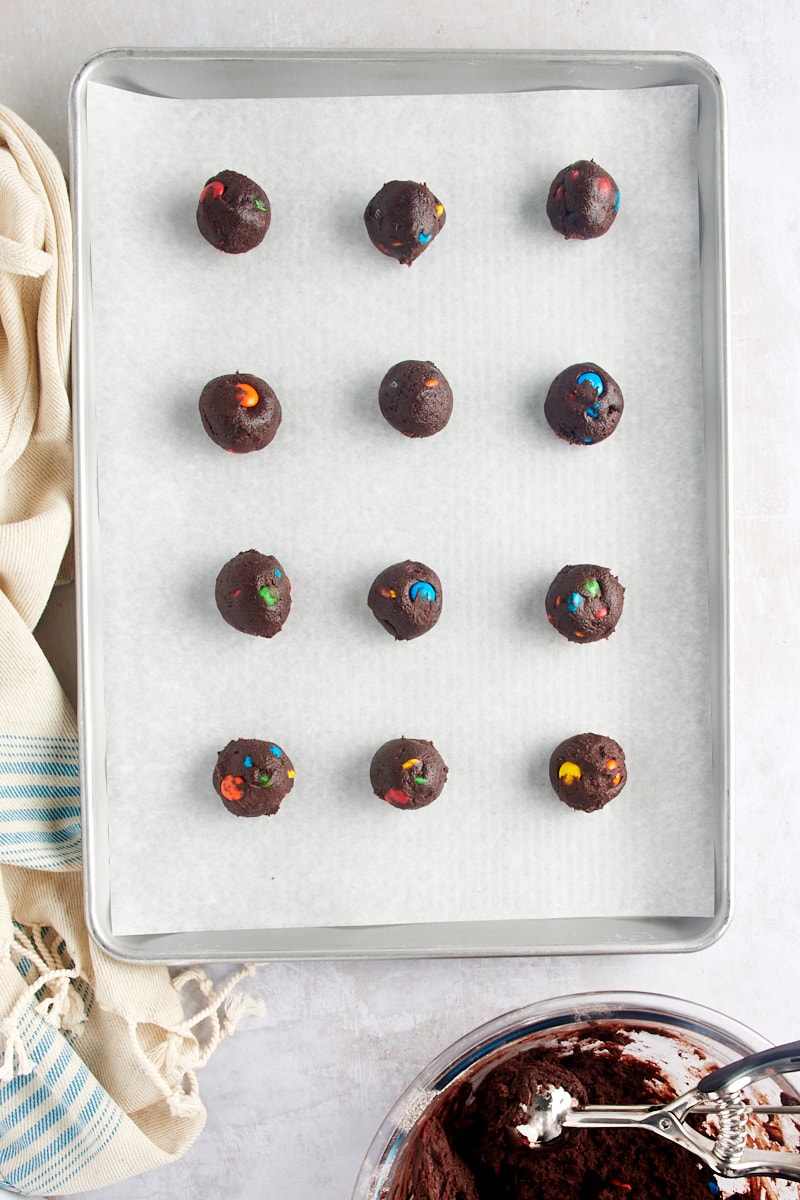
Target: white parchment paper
[{"x": 496, "y": 504}]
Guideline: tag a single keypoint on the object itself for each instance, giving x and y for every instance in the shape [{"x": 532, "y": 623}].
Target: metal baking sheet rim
[{"x": 240, "y": 73}]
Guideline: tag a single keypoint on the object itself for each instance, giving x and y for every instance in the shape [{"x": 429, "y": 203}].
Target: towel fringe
[
  {"x": 170, "y": 1064},
  {"x": 223, "y": 1009},
  {"x": 175, "y": 1056},
  {"x": 15, "y": 1056},
  {"x": 63, "y": 1007}
]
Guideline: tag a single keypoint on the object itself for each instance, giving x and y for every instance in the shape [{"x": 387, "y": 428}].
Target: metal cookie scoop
[{"x": 717, "y": 1094}]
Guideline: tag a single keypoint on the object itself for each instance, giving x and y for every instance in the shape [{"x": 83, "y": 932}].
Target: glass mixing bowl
[{"x": 684, "y": 1039}]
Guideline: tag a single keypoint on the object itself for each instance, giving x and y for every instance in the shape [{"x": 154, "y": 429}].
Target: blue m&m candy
[
  {"x": 594, "y": 379},
  {"x": 422, "y": 591}
]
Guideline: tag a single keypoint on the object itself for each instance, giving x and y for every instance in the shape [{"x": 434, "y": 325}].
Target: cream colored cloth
[{"x": 97, "y": 1059}]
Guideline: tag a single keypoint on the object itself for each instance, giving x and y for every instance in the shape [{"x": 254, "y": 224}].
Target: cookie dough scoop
[{"x": 718, "y": 1095}]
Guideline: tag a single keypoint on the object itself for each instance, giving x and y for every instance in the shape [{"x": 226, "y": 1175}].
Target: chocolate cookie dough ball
[
  {"x": 583, "y": 201},
  {"x": 233, "y": 213},
  {"x": 588, "y": 770},
  {"x": 253, "y": 777},
  {"x": 406, "y": 599},
  {"x": 403, "y": 218},
  {"x": 253, "y": 594},
  {"x": 240, "y": 412},
  {"x": 584, "y": 603},
  {"x": 408, "y": 773},
  {"x": 415, "y": 398},
  {"x": 583, "y": 404}
]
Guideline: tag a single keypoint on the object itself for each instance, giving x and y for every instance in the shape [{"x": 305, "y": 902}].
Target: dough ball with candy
[
  {"x": 584, "y": 602},
  {"x": 583, "y": 404},
  {"x": 587, "y": 770},
  {"x": 415, "y": 398},
  {"x": 406, "y": 599},
  {"x": 252, "y": 777},
  {"x": 240, "y": 412},
  {"x": 253, "y": 594},
  {"x": 408, "y": 773},
  {"x": 583, "y": 201},
  {"x": 403, "y": 218},
  {"x": 233, "y": 212}
]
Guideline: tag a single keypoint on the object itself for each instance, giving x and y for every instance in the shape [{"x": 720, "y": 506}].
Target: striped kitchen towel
[
  {"x": 40, "y": 802},
  {"x": 97, "y": 1057}
]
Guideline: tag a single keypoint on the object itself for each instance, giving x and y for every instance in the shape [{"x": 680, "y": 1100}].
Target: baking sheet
[{"x": 495, "y": 504}]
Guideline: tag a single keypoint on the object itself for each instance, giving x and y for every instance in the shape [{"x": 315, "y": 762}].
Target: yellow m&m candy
[{"x": 569, "y": 772}]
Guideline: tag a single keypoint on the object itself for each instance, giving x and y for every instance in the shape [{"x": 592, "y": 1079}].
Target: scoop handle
[{"x": 777, "y": 1060}]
